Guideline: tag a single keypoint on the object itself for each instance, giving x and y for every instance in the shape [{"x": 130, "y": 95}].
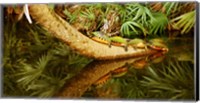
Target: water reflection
[
  {"x": 93, "y": 72},
  {"x": 159, "y": 76},
  {"x": 106, "y": 85}
]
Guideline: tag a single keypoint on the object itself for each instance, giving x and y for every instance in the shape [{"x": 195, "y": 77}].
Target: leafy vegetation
[
  {"x": 35, "y": 64},
  {"x": 174, "y": 81},
  {"x": 130, "y": 27},
  {"x": 185, "y": 22},
  {"x": 159, "y": 23},
  {"x": 135, "y": 19}
]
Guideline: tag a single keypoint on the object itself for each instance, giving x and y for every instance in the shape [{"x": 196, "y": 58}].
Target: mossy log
[{"x": 50, "y": 21}]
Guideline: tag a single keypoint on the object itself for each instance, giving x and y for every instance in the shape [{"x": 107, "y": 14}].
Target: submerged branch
[{"x": 76, "y": 40}]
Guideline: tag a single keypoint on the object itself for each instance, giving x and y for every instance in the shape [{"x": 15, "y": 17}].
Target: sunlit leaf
[{"x": 184, "y": 22}]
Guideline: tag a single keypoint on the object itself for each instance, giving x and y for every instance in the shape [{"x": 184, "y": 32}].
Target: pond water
[{"x": 165, "y": 76}]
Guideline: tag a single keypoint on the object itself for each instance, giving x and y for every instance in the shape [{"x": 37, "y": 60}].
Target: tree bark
[{"x": 76, "y": 40}]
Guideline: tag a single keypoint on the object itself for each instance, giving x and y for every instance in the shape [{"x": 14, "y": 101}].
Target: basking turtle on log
[{"x": 76, "y": 40}]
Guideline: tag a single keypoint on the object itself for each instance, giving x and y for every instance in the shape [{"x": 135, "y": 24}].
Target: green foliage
[
  {"x": 184, "y": 22},
  {"x": 158, "y": 24},
  {"x": 139, "y": 13},
  {"x": 30, "y": 73},
  {"x": 88, "y": 14},
  {"x": 131, "y": 28},
  {"x": 34, "y": 63},
  {"x": 171, "y": 80},
  {"x": 71, "y": 16},
  {"x": 170, "y": 6},
  {"x": 89, "y": 17},
  {"x": 49, "y": 83},
  {"x": 131, "y": 87},
  {"x": 174, "y": 81},
  {"x": 136, "y": 19},
  {"x": 141, "y": 20}
]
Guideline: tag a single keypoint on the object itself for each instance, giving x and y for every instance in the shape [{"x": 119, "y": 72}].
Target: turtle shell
[
  {"x": 100, "y": 40},
  {"x": 137, "y": 43},
  {"x": 158, "y": 44}
]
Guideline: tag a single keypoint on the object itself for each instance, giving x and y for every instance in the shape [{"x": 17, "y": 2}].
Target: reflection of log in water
[{"x": 91, "y": 73}]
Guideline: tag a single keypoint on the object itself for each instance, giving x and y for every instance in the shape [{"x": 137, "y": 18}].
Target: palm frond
[
  {"x": 139, "y": 13},
  {"x": 88, "y": 14},
  {"x": 169, "y": 6},
  {"x": 184, "y": 22},
  {"x": 132, "y": 28},
  {"x": 72, "y": 16},
  {"x": 158, "y": 24}
]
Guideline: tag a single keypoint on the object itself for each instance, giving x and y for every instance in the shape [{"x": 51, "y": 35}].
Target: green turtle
[
  {"x": 157, "y": 44},
  {"x": 137, "y": 43}
]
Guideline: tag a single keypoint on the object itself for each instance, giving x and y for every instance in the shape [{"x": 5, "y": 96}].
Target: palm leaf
[
  {"x": 128, "y": 27},
  {"x": 185, "y": 21},
  {"x": 169, "y": 6},
  {"x": 158, "y": 24}
]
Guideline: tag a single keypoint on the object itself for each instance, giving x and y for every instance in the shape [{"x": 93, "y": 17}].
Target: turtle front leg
[
  {"x": 126, "y": 47},
  {"x": 109, "y": 44}
]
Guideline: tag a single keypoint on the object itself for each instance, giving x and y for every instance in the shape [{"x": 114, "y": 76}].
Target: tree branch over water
[{"x": 76, "y": 40}]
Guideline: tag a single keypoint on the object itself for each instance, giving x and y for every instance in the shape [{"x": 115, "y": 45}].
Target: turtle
[{"x": 157, "y": 44}]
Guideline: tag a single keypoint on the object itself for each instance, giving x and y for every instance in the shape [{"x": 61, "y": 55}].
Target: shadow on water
[{"x": 160, "y": 76}]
